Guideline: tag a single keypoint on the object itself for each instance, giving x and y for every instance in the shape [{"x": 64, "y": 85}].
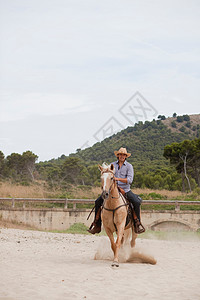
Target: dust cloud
[{"x": 126, "y": 253}]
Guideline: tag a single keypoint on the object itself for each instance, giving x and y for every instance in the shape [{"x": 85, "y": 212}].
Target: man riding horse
[{"x": 124, "y": 177}]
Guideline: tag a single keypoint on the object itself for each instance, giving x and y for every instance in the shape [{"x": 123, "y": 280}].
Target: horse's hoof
[{"x": 115, "y": 264}]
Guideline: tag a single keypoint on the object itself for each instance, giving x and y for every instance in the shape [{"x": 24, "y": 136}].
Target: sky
[{"x": 73, "y": 72}]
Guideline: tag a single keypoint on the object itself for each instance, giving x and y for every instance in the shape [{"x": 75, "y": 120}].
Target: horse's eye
[{"x": 112, "y": 178}]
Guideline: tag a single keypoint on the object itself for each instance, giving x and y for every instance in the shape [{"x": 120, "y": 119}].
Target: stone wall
[{"x": 59, "y": 219}]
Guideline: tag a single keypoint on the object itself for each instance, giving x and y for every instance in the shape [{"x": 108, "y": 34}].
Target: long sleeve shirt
[{"x": 126, "y": 171}]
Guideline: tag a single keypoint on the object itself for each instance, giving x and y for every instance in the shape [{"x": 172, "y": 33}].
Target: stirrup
[
  {"x": 139, "y": 228},
  {"x": 93, "y": 224},
  {"x": 94, "y": 228}
]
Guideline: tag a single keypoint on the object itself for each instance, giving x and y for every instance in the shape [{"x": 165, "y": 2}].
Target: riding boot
[
  {"x": 138, "y": 227},
  {"x": 96, "y": 225}
]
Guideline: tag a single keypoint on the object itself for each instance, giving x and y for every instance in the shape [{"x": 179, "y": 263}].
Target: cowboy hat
[{"x": 122, "y": 151}]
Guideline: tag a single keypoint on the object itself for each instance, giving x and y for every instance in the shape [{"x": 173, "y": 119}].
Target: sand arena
[{"x": 42, "y": 265}]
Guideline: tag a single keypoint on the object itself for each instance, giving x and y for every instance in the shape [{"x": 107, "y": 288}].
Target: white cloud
[
  {"x": 69, "y": 57},
  {"x": 26, "y": 105}
]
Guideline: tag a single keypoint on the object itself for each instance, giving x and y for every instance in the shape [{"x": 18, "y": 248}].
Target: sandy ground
[{"x": 40, "y": 265}]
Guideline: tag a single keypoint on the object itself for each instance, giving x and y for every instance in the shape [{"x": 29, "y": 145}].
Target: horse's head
[{"x": 107, "y": 179}]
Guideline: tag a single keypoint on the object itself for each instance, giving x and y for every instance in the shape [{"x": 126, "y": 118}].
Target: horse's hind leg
[
  {"x": 134, "y": 236},
  {"x": 122, "y": 241},
  {"x": 125, "y": 237}
]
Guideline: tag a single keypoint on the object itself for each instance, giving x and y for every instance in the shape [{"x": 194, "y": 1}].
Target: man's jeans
[{"x": 136, "y": 201}]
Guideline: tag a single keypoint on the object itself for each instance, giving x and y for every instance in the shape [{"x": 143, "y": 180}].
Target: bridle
[
  {"x": 110, "y": 188},
  {"x": 119, "y": 195}
]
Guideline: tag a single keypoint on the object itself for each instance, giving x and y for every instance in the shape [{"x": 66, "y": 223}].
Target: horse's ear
[
  {"x": 112, "y": 167},
  {"x": 100, "y": 168}
]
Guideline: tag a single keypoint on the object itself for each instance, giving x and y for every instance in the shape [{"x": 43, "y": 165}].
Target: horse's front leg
[
  {"x": 112, "y": 241},
  {"x": 120, "y": 232}
]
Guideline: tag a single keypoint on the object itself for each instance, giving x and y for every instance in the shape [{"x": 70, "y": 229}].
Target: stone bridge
[
  {"x": 171, "y": 220},
  {"x": 63, "y": 218}
]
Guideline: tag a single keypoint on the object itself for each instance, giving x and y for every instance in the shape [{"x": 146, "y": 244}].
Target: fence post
[
  {"x": 177, "y": 206},
  {"x": 65, "y": 207},
  {"x": 74, "y": 206},
  {"x": 13, "y": 202},
  {"x": 24, "y": 205}
]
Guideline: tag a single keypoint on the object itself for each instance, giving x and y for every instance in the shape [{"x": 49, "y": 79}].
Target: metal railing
[
  {"x": 176, "y": 203},
  {"x": 47, "y": 200}
]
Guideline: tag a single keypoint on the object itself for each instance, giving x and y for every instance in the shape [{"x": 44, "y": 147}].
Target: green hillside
[{"x": 145, "y": 141}]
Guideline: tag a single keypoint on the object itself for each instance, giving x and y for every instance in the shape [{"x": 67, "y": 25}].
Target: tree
[
  {"x": 171, "y": 152},
  {"x": 182, "y": 129},
  {"x": 188, "y": 124},
  {"x": 53, "y": 175},
  {"x": 194, "y": 128},
  {"x": 174, "y": 115},
  {"x": 161, "y": 117},
  {"x": 2, "y": 164},
  {"x": 21, "y": 166},
  {"x": 186, "y": 118},
  {"x": 14, "y": 165},
  {"x": 28, "y": 161},
  {"x": 74, "y": 171},
  {"x": 185, "y": 150},
  {"x": 186, "y": 158},
  {"x": 94, "y": 174},
  {"x": 173, "y": 124},
  {"x": 179, "y": 119},
  {"x": 195, "y": 160}
]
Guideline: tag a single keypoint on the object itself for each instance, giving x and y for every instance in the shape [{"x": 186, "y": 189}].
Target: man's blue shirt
[{"x": 126, "y": 171}]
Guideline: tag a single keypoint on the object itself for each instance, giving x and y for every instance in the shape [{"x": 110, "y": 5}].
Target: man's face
[{"x": 122, "y": 157}]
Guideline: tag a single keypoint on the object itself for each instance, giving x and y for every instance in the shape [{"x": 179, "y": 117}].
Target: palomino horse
[{"x": 114, "y": 212}]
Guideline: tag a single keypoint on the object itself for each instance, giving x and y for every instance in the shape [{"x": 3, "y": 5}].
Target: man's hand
[{"x": 124, "y": 180}]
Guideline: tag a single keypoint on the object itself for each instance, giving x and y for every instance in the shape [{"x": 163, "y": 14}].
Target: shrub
[
  {"x": 161, "y": 117},
  {"x": 186, "y": 118},
  {"x": 173, "y": 124},
  {"x": 182, "y": 129},
  {"x": 179, "y": 119},
  {"x": 188, "y": 124},
  {"x": 194, "y": 128},
  {"x": 156, "y": 196},
  {"x": 79, "y": 228}
]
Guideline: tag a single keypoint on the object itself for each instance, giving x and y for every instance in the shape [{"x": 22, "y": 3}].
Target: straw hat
[{"x": 122, "y": 151}]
